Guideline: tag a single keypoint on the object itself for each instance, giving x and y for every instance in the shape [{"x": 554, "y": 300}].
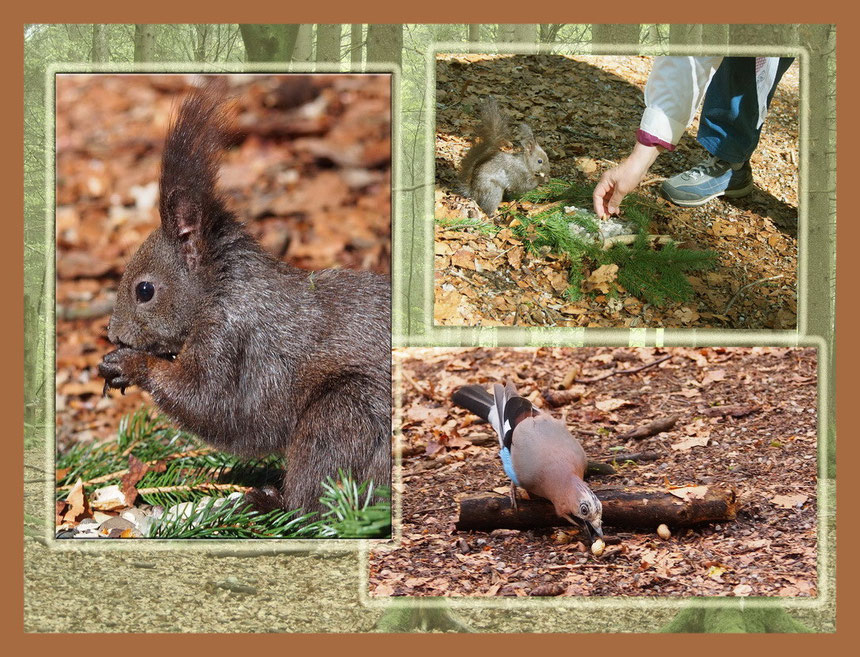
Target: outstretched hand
[{"x": 619, "y": 181}]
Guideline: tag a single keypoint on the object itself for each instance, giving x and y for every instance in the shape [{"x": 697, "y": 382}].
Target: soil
[
  {"x": 584, "y": 111},
  {"x": 767, "y": 455}
]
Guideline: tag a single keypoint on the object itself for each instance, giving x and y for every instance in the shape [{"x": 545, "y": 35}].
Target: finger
[
  {"x": 615, "y": 201},
  {"x": 599, "y": 197}
]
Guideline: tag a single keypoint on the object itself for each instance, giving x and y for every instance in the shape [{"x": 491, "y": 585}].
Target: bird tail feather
[{"x": 475, "y": 399}]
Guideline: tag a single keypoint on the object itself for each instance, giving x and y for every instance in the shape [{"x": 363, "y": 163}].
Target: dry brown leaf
[
  {"x": 607, "y": 405},
  {"x": 790, "y": 501},
  {"x": 79, "y": 507},
  {"x": 687, "y": 493},
  {"x": 601, "y": 278},
  {"x": 713, "y": 375}
]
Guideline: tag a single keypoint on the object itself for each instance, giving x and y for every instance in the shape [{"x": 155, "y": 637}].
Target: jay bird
[{"x": 538, "y": 452}]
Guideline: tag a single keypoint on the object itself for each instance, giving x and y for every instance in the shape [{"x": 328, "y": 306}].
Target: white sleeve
[{"x": 673, "y": 94}]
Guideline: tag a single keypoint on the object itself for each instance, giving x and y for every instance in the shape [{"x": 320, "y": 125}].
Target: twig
[
  {"x": 422, "y": 391},
  {"x": 650, "y": 429},
  {"x": 609, "y": 242},
  {"x": 631, "y": 370},
  {"x": 119, "y": 473},
  {"x": 176, "y": 489},
  {"x": 746, "y": 287}
]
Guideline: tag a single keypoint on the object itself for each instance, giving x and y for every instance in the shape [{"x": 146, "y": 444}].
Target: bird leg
[{"x": 514, "y": 496}]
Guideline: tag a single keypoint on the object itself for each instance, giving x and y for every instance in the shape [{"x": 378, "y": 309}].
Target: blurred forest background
[{"x": 53, "y": 578}]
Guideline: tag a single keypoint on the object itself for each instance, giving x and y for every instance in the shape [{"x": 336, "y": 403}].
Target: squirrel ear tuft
[
  {"x": 183, "y": 222},
  {"x": 527, "y": 137}
]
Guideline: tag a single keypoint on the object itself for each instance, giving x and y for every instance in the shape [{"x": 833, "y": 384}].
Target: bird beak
[{"x": 593, "y": 531}]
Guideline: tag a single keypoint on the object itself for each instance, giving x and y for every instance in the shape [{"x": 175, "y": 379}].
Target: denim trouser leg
[{"x": 727, "y": 128}]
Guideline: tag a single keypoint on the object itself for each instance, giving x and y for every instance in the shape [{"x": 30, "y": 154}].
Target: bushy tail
[
  {"x": 192, "y": 151},
  {"x": 491, "y": 134}
]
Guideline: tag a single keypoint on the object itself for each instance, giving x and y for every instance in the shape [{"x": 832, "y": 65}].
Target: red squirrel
[{"x": 252, "y": 355}]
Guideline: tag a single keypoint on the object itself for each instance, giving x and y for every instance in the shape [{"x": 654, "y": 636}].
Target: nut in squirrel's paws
[{"x": 113, "y": 369}]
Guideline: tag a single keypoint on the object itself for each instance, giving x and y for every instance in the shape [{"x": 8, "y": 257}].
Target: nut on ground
[
  {"x": 597, "y": 547},
  {"x": 663, "y": 532}
]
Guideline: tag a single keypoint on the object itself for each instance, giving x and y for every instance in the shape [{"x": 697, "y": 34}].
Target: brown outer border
[{"x": 157, "y": 11}]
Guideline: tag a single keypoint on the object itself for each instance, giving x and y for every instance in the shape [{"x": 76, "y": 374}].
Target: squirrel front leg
[
  {"x": 170, "y": 382},
  {"x": 125, "y": 367}
]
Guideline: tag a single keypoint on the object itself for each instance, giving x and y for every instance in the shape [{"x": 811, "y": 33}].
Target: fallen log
[{"x": 622, "y": 508}]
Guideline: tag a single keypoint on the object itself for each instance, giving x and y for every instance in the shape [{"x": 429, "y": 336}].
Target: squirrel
[
  {"x": 251, "y": 354},
  {"x": 488, "y": 174}
]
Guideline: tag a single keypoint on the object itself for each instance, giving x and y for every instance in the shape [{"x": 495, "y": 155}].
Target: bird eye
[
  {"x": 144, "y": 291},
  {"x": 583, "y": 509}
]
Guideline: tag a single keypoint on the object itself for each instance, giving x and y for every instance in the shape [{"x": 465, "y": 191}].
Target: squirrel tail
[
  {"x": 492, "y": 133},
  {"x": 192, "y": 151}
]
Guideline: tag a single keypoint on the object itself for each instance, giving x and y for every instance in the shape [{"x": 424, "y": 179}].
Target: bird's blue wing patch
[{"x": 508, "y": 465}]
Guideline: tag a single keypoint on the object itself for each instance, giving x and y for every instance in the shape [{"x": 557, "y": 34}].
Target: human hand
[{"x": 620, "y": 180}]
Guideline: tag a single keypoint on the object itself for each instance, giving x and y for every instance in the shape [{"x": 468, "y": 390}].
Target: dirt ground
[
  {"x": 584, "y": 111},
  {"x": 309, "y": 172},
  {"x": 767, "y": 455}
]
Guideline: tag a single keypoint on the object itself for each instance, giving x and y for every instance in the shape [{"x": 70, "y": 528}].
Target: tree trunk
[
  {"x": 622, "y": 34},
  {"x": 627, "y": 508},
  {"x": 328, "y": 42},
  {"x": 474, "y": 33},
  {"x": 268, "y": 43},
  {"x": 144, "y": 43},
  {"x": 201, "y": 31},
  {"x": 384, "y": 43},
  {"x": 763, "y": 35},
  {"x": 355, "y": 39},
  {"x": 100, "y": 51},
  {"x": 304, "y": 50}
]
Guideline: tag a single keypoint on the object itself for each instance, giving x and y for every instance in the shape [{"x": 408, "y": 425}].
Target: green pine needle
[
  {"x": 355, "y": 510},
  {"x": 654, "y": 275}
]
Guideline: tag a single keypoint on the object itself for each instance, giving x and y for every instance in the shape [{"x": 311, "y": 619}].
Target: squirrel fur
[
  {"x": 251, "y": 354},
  {"x": 488, "y": 175}
]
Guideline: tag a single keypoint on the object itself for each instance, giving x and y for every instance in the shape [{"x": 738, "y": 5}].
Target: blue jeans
[{"x": 727, "y": 128}]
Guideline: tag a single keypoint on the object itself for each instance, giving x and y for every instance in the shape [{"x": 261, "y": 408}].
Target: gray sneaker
[{"x": 707, "y": 180}]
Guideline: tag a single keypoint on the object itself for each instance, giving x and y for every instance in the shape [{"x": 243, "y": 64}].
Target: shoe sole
[{"x": 732, "y": 193}]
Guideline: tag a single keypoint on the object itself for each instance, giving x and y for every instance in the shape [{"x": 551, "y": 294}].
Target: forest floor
[
  {"x": 584, "y": 111},
  {"x": 768, "y": 456},
  {"x": 309, "y": 172}
]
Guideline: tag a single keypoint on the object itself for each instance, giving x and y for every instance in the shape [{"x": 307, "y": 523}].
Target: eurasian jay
[{"x": 538, "y": 452}]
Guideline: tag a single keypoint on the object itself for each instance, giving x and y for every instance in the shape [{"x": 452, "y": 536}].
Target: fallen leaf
[
  {"x": 690, "y": 442},
  {"x": 716, "y": 573},
  {"x": 601, "y": 278},
  {"x": 607, "y": 405},
  {"x": 687, "y": 493},
  {"x": 789, "y": 501},
  {"x": 742, "y": 590},
  {"x": 713, "y": 375},
  {"x": 79, "y": 507}
]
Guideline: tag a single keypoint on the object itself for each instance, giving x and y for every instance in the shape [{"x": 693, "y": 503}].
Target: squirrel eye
[
  {"x": 144, "y": 291},
  {"x": 540, "y": 160}
]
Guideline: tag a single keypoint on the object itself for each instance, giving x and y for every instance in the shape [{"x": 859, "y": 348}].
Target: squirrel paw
[
  {"x": 264, "y": 499},
  {"x": 114, "y": 369}
]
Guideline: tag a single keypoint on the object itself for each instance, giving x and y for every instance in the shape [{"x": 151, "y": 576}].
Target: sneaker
[{"x": 707, "y": 180}]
